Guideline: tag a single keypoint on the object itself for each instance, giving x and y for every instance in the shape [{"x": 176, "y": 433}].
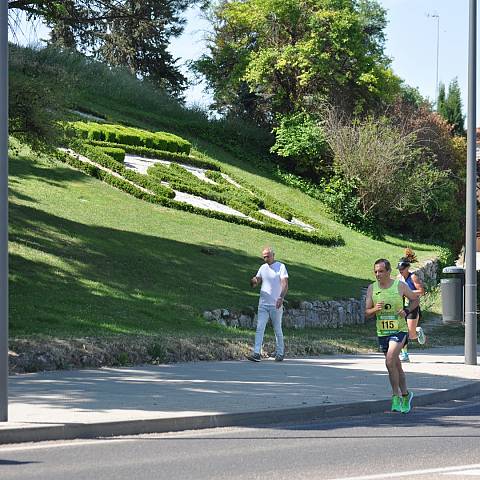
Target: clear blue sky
[{"x": 411, "y": 44}]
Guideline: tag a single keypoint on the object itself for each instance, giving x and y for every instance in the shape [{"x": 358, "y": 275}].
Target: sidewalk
[{"x": 133, "y": 400}]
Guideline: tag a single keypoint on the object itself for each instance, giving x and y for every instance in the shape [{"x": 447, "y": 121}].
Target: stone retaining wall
[{"x": 315, "y": 314}]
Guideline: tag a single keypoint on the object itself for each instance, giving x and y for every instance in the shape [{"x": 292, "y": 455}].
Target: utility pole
[
  {"x": 3, "y": 210},
  {"x": 471, "y": 200},
  {"x": 437, "y": 17}
]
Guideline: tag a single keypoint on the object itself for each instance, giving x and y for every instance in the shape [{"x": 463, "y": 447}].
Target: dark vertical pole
[
  {"x": 3, "y": 210},
  {"x": 471, "y": 201}
]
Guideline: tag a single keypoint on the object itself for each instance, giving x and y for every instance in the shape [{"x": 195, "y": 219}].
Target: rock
[
  {"x": 306, "y": 305},
  {"x": 208, "y": 316},
  {"x": 234, "y": 322},
  {"x": 245, "y": 321}
]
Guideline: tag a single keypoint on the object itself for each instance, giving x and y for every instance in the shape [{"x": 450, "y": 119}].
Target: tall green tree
[
  {"x": 450, "y": 107},
  {"x": 441, "y": 109},
  {"x": 131, "y": 33},
  {"x": 270, "y": 57}
]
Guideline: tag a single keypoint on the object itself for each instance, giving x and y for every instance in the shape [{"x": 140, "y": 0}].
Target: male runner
[{"x": 385, "y": 301}]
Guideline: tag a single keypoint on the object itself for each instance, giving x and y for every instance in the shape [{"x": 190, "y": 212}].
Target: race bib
[{"x": 388, "y": 323}]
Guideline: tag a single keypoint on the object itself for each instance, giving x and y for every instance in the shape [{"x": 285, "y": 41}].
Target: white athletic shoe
[
  {"x": 421, "y": 335},
  {"x": 404, "y": 357}
]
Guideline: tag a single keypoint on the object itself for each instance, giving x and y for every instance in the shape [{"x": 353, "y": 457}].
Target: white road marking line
[
  {"x": 441, "y": 470},
  {"x": 58, "y": 444},
  {"x": 463, "y": 473}
]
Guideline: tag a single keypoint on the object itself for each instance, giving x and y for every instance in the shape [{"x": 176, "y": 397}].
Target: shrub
[
  {"x": 161, "y": 155},
  {"x": 37, "y": 93},
  {"x": 397, "y": 182},
  {"x": 129, "y": 136},
  {"x": 177, "y": 175},
  {"x": 95, "y": 155},
  {"x": 377, "y": 157},
  {"x": 320, "y": 237},
  {"x": 117, "y": 154},
  {"x": 300, "y": 139},
  {"x": 341, "y": 197}
]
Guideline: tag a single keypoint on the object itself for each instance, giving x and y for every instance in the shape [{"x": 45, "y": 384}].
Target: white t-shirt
[{"x": 271, "y": 285}]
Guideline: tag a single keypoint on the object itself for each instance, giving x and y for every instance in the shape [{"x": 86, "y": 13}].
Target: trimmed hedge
[
  {"x": 128, "y": 136},
  {"x": 160, "y": 155},
  {"x": 318, "y": 237},
  {"x": 117, "y": 154},
  {"x": 145, "y": 181}
]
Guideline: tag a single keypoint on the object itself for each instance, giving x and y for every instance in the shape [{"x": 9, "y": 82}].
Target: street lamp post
[
  {"x": 471, "y": 200},
  {"x": 3, "y": 210},
  {"x": 437, "y": 17}
]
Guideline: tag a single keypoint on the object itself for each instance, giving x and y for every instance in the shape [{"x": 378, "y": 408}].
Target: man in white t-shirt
[{"x": 273, "y": 277}]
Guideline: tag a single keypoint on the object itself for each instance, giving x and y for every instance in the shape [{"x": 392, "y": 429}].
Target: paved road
[{"x": 436, "y": 442}]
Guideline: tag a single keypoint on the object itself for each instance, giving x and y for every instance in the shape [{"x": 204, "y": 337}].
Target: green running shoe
[
  {"x": 406, "y": 402},
  {"x": 396, "y": 403}
]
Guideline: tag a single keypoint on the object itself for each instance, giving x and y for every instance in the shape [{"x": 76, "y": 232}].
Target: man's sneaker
[
  {"x": 407, "y": 402},
  {"x": 396, "y": 403},
  {"x": 254, "y": 357},
  {"x": 279, "y": 358},
  {"x": 421, "y": 336},
  {"x": 404, "y": 357}
]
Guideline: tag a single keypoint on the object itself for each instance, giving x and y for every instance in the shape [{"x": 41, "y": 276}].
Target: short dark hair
[{"x": 386, "y": 262}]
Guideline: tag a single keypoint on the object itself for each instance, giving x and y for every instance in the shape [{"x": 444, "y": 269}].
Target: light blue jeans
[{"x": 275, "y": 314}]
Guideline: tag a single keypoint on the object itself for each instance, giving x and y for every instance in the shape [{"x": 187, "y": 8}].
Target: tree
[
  {"x": 450, "y": 107},
  {"x": 441, "y": 108},
  {"x": 131, "y": 33},
  {"x": 386, "y": 177},
  {"x": 269, "y": 57}
]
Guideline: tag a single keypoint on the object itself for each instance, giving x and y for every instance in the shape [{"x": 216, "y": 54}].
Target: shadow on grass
[
  {"x": 80, "y": 279},
  {"x": 92, "y": 278}
]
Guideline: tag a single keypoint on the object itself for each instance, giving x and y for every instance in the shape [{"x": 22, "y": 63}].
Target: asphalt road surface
[{"x": 439, "y": 442}]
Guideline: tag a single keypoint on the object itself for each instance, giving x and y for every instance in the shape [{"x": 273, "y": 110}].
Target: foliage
[
  {"x": 129, "y": 136},
  {"x": 459, "y": 156},
  {"x": 134, "y": 35},
  {"x": 312, "y": 189},
  {"x": 179, "y": 178},
  {"x": 97, "y": 155},
  {"x": 301, "y": 141},
  {"x": 117, "y": 154},
  {"x": 341, "y": 196},
  {"x": 376, "y": 156},
  {"x": 38, "y": 90},
  {"x": 393, "y": 182},
  {"x": 433, "y": 133},
  {"x": 160, "y": 154},
  {"x": 269, "y": 57},
  {"x": 103, "y": 91},
  {"x": 449, "y": 106}
]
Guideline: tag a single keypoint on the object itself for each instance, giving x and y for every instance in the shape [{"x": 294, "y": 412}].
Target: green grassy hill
[{"x": 87, "y": 259}]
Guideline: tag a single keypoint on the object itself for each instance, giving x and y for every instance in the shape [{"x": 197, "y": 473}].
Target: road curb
[{"x": 72, "y": 431}]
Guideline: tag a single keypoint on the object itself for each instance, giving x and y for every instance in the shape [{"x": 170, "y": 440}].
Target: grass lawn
[{"x": 87, "y": 259}]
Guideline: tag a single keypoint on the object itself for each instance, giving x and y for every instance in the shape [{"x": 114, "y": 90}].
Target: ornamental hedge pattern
[
  {"x": 122, "y": 135},
  {"x": 162, "y": 179}
]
